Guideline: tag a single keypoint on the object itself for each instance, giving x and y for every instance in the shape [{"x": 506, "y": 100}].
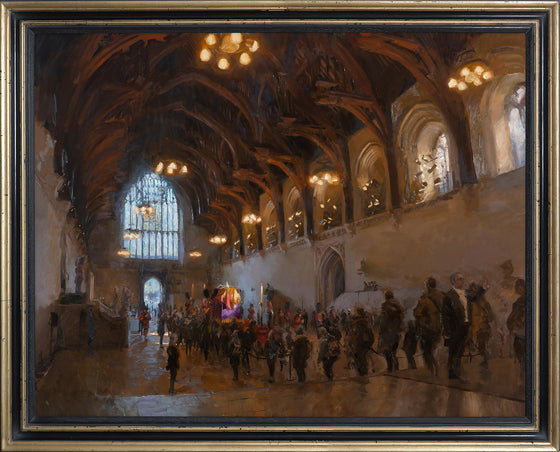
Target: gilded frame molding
[{"x": 10, "y": 101}]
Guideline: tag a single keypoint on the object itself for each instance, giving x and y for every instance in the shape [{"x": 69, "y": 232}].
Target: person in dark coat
[
  {"x": 362, "y": 339},
  {"x": 161, "y": 327},
  {"x": 456, "y": 314},
  {"x": 329, "y": 351},
  {"x": 90, "y": 322},
  {"x": 172, "y": 363},
  {"x": 390, "y": 326},
  {"x": 235, "y": 353},
  {"x": 300, "y": 353},
  {"x": 410, "y": 343},
  {"x": 271, "y": 351},
  {"x": 248, "y": 338},
  {"x": 428, "y": 321},
  {"x": 482, "y": 316},
  {"x": 516, "y": 324}
]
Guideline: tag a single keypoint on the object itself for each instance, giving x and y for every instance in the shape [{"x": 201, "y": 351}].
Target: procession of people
[{"x": 461, "y": 320}]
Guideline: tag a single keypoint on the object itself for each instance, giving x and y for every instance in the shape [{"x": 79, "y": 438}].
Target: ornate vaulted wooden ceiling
[{"x": 115, "y": 103}]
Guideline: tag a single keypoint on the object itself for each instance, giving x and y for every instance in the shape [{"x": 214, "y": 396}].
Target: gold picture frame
[{"x": 18, "y": 429}]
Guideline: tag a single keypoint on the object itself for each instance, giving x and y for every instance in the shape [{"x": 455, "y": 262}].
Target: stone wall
[{"x": 473, "y": 230}]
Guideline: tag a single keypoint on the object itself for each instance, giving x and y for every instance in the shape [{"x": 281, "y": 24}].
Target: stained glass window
[{"x": 151, "y": 219}]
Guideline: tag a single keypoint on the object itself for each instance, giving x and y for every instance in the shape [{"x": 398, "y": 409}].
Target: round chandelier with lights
[
  {"x": 223, "y": 49},
  {"x": 123, "y": 253},
  {"x": 324, "y": 177},
  {"x": 218, "y": 239},
  {"x": 474, "y": 74},
  {"x": 251, "y": 218}
]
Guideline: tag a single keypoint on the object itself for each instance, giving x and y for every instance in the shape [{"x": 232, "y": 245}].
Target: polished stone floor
[{"x": 134, "y": 382}]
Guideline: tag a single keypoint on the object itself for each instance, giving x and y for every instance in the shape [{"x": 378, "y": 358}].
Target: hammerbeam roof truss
[{"x": 115, "y": 103}]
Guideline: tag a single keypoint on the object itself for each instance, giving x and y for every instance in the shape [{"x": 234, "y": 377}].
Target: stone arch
[
  {"x": 371, "y": 176},
  {"x": 499, "y": 156},
  {"x": 328, "y": 206},
  {"x": 429, "y": 155},
  {"x": 295, "y": 215},
  {"x": 331, "y": 277},
  {"x": 270, "y": 225}
]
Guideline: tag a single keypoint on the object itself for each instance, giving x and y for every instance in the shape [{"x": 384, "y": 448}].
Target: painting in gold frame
[{"x": 33, "y": 49}]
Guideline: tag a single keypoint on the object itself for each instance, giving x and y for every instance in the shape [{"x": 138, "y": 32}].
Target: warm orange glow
[
  {"x": 223, "y": 64},
  {"x": 205, "y": 55},
  {"x": 211, "y": 39},
  {"x": 244, "y": 59}
]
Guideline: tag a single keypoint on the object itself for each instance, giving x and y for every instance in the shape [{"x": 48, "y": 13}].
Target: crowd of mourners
[{"x": 460, "y": 317}]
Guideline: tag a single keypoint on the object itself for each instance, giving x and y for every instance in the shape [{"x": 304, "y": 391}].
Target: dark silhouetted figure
[
  {"x": 300, "y": 353},
  {"x": 481, "y": 318},
  {"x": 362, "y": 339},
  {"x": 455, "y": 316},
  {"x": 516, "y": 324},
  {"x": 329, "y": 351},
  {"x": 390, "y": 326},
  {"x": 90, "y": 322},
  {"x": 271, "y": 351},
  {"x": 428, "y": 322},
  {"x": 410, "y": 343},
  {"x": 235, "y": 353},
  {"x": 172, "y": 363}
]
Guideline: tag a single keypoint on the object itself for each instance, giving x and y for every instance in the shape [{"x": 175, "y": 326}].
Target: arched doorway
[
  {"x": 332, "y": 279},
  {"x": 153, "y": 294}
]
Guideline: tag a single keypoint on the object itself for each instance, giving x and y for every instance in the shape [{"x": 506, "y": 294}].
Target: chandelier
[
  {"x": 218, "y": 239},
  {"x": 145, "y": 210},
  {"x": 474, "y": 74},
  {"x": 171, "y": 168},
  {"x": 251, "y": 218},
  {"x": 123, "y": 253},
  {"x": 224, "y": 48},
  {"x": 132, "y": 234},
  {"x": 325, "y": 177}
]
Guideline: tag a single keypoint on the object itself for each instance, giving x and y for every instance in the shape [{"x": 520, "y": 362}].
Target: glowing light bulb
[
  {"x": 223, "y": 64},
  {"x": 254, "y": 46},
  {"x": 478, "y": 70},
  {"x": 313, "y": 179},
  {"x": 205, "y": 55},
  {"x": 244, "y": 59},
  {"x": 465, "y": 71},
  {"x": 211, "y": 39},
  {"x": 452, "y": 83},
  {"x": 462, "y": 86},
  {"x": 488, "y": 75},
  {"x": 477, "y": 82},
  {"x": 171, "y": 167},
  {"x": 184, "y": 169},
  {"x": 236, "y": 38},
  {"x": 159, "y": 167}
]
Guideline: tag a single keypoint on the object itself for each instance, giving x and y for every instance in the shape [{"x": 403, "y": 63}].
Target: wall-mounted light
[
  {"x": 123, "y": 253},
  {"x": 132, "y": 235},
  {"x": 195, "y": 253}
]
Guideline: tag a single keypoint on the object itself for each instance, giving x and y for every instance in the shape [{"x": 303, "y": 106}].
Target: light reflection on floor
[{"x": 134, "y": 382}]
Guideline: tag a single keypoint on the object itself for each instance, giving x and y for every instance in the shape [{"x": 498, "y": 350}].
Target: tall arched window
[
  {"x": 151, "y": 219},
  {"x": 515, "y": 109}
]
